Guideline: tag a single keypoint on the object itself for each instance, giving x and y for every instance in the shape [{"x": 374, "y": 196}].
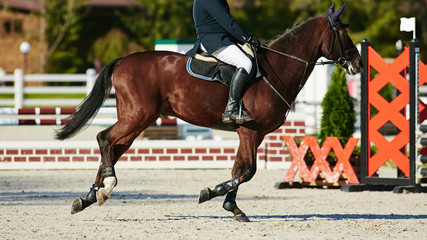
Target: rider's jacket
[{"x": 215, "y": 27}]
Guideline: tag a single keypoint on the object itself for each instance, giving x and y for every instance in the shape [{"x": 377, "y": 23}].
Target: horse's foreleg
[
  {"x": 231, "y": 206},
  {"x": 248, "y": 171},
  {"x": 230, "y": 188},
  {"x": 219, "y": 190},
  {"x": 243, "y": 170}
]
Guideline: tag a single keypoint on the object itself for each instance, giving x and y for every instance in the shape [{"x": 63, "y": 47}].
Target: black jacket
[{"x": 215, "y": 27}]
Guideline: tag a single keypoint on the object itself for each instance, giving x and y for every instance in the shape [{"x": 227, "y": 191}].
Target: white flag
[{"x": 407, "y": 24}]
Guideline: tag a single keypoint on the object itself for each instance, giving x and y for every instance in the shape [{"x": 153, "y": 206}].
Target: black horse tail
[{"x": 92, "y": 103}]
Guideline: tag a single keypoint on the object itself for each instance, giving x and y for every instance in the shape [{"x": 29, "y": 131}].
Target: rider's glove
[{"x": 254, "y": 41}]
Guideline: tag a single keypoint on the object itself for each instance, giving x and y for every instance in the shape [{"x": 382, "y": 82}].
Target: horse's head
[{"x": 338, "y": 46}]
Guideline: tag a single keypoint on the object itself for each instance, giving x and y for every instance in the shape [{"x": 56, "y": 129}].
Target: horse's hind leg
[
  {"x": 106, "y": 177},
  {"x": 113, "y": 142},
  {"x": 81, "y": 203},
  {"x": 113, "y": 145}
]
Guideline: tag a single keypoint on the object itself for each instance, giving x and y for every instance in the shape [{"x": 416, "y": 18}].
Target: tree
[
  {"x": 159, "y": 19},
  {"x": 114, "y": 44},
  {"x": 62, "y": 33},
  {"x": 265, "y": 20},
  {"x": 378, "y": 21},
  {"x": 338, "y": 117}
]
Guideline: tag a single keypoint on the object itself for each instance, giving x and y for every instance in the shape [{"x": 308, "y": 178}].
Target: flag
[{"x": 407, "y": 24}]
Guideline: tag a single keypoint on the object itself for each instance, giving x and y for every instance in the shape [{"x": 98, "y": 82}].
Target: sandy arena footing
[{"x": 162, "y": 204}]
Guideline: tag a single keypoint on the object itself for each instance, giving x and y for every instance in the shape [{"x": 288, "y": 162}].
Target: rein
[
  {"x": 297, "y": 58},
  {"x": 303, "y": 75},
  {"x": 342, "y": 61}
]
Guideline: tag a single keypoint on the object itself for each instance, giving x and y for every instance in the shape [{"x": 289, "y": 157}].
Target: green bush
[{"x": 338, "y": 116}]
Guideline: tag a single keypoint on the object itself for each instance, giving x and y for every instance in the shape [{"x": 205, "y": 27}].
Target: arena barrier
[
  {"x": 402, "y": 149},
  {"x": 150, "y": 154},
  {"x": 20, "y": 84},
  {"x": 106, "y": 116}
]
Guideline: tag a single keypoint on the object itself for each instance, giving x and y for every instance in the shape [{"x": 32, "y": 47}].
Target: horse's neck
[{"x": 303, "y": 42}]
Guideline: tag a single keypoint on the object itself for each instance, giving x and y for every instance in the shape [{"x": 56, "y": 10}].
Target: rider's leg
[
  {"x": 232, "y": 111},
  {"x": 234, "y": 56}
]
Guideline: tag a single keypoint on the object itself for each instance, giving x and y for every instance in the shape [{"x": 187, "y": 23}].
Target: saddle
[{"x": 206, "y": 67}]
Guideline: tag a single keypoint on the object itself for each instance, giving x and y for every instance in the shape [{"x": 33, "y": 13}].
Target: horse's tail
[{"x": 92, "y": 103}]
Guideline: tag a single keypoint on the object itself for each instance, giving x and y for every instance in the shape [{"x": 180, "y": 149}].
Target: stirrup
[
  {"x": 241, "y": 118},
  {"x": 236, "y": 115}
]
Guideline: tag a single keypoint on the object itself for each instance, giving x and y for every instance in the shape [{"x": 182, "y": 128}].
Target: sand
[{"x": 162, "y": 204}]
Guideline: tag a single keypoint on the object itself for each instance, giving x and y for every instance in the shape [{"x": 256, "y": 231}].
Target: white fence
[
  {"x": 16, "y": 84},
  {"x": 308, "y": 100}
]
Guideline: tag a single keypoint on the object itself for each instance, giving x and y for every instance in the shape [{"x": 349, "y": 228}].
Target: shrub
[{"x": 338, "y": 117}]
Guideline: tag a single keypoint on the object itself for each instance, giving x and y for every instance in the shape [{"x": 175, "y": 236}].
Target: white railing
[{"x": 19, "y": 88}]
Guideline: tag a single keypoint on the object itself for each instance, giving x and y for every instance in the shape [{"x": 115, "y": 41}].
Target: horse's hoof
[
  {"x": 241, "y": 218},
  {"x": 77, "y": 206},
  {"x": 101, "y": 196},
  {"x": 204, "y": 195}
]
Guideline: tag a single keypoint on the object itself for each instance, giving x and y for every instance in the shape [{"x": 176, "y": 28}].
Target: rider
[{"x": 217, "y": 34}]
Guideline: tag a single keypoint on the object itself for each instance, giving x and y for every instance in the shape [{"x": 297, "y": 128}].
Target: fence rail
[
  {"x": 16, "y": 84},
  {"x": 106, "y": 116}
]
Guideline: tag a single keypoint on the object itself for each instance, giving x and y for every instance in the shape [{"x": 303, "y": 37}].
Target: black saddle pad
[{"x": 210, "y": 71}]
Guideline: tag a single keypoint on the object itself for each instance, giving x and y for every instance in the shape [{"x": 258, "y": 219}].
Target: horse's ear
[
  {"x": 331, "y": 9},
  {"x": 338, "y": 13}
]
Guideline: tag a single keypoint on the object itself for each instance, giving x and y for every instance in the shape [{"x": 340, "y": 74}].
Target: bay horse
[{"x": 156, "y": 82}]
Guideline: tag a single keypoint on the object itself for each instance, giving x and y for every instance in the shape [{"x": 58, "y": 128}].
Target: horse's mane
[{"x": 289, "y": 34}]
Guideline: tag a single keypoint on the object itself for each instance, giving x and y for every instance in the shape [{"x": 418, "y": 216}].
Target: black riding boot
[{"x": 232, "y": 112}]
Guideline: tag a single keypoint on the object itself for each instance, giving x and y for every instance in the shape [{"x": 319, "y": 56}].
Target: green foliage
[
  {"x": 265, "y": 21},
  {"x": 377, "y": 21},
  {"x": 62, "y": 34},
  {"x": 114, "y": 44},
  {"x": 387, "y": 92},
  {"x": 338, "y": 117},
  {"x": 159, "y": 19}
]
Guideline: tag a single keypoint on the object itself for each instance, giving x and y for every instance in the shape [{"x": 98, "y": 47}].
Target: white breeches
[{"x": 232, "y": 55}]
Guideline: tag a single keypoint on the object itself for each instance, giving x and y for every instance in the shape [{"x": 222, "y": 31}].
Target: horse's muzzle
[{"x": 355, "y": 66}]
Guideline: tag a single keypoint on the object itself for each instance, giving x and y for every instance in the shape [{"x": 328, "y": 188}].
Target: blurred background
[{"x": 70, "y": 36}]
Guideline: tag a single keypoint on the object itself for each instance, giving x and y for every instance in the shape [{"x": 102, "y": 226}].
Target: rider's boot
[{"x": 232, "y": 111}]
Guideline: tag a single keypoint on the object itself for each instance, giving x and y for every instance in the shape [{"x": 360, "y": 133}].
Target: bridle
[{"x": 342, "y": 61}]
